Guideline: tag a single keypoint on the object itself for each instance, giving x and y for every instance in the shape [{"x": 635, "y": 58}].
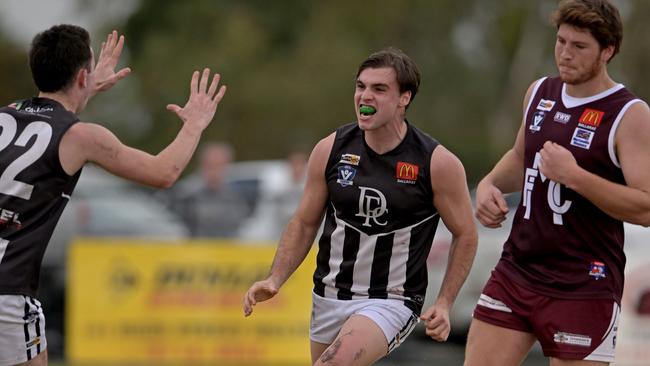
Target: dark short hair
[
  {"x": 57, "y": 54},
  {"x": 600, "y": 17},
  {"x": 408, "y": 74}
]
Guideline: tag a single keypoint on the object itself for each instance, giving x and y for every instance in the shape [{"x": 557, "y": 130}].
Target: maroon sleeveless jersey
[{"x": 561, "y": 244}]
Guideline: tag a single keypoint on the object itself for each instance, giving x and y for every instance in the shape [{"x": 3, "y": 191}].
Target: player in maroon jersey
[{"x": 584, "y": 161}]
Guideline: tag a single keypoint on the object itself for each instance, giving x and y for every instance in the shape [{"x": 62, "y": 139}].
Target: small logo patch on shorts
[
  {"x": 34, "y": 342},
  {"x": 573, "y": 339}
]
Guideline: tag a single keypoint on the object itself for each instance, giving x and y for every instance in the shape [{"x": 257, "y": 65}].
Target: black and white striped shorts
[{"x": 22, "y": 329}]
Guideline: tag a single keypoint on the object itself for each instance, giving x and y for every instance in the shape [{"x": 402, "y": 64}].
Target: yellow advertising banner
[{"x": 152, "y": 302}]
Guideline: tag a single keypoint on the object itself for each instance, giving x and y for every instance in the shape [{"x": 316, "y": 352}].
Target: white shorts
[
  {"x": 392, "y": 316},
  {"x": 22, "y": 329}
]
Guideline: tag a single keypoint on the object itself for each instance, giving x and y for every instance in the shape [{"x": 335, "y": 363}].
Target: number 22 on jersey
[{"x": 43, "y": 132}]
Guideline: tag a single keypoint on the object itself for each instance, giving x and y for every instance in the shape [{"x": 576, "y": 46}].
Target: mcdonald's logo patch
[
  {"x": 591, "y": 118},
  {"x": 406, "y": 172}
]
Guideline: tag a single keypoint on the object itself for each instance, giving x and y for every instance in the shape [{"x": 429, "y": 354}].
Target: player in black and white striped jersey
[
  {"x": 43, "y": 148},
  {"x": 382, "y": 185}
]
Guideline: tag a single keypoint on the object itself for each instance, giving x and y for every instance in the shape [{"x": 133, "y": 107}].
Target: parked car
[
  {"x": 105, "y": 205},
  {"x": 272, "y": 197}
]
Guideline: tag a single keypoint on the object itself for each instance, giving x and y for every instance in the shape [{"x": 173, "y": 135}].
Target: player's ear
[
  {"x": 607, "y": 53},
  {"x": 82, "y": 78},
  {"x": 405, "y": 99}
]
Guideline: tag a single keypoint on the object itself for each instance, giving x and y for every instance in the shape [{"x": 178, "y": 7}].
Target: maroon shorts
[{"x": 571, "y": 329}]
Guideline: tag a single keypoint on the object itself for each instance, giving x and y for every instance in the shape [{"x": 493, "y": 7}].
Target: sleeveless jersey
[
  {"x": 561, "y": 244},
  {"x": 380, "y": 220},
  {"x": 34, "y": 188}
]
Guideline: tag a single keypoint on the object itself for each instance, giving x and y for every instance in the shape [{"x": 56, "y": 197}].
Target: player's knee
[{"x": 338, "y": 355}]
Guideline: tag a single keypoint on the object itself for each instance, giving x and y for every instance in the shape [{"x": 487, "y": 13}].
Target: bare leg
[
  {"x": 317, "y": 349},
  {"x": 360, "y": 342},
  {"x": 490, "y": 345}
]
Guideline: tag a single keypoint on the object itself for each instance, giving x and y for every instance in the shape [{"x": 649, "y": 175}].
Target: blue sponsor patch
[
  {"x": 346, "y": 175},
  {"x": 582, "y": 138}
]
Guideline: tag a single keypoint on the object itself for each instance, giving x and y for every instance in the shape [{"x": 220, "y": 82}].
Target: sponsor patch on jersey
[
  {"x": 545, "y": 105},
  {"x": 346, "y": 175},
  {"x": 573, "y": 339},
  {"x": 597, "y": 270},
  {"x": 582, "y": 138},
  {"x": 350, "y": 159},
  {"x": 562, "y": 118},
  {"x": 9, "y": 219},
  {"x": 37, "y": 110},
  {"x": 591, "y": 118},
  {"x": 538, "y": 119},
  {"x": 406, "y": 172}
]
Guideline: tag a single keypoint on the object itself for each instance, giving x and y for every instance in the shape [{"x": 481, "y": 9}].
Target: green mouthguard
[{"x": 367, "y": 110}]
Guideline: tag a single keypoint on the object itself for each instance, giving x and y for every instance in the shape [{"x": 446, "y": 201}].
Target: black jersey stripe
[
  {"x": 346, "y": 271},
  {"x": 381, "y": 267},
  {"x": 323, "y": 257},
  {"x": 415, "y": 285}
]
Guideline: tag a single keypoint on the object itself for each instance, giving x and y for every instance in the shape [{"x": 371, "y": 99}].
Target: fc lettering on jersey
[
  {"x": 372, "y": 205},
  {"x": 553, "y": 196}
]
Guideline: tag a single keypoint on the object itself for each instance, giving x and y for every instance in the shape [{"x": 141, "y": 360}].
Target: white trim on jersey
[
  {"x": 612, "y": 132},
  {"x": 571, "y": 102},
  {"x": 397, "y": 271},
  {"x": 532, "y": 96},
  {"x": 336, "y": 258},
  {"x": 365, "y": 256}
]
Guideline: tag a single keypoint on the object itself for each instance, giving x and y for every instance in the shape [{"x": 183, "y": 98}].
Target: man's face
[
  {"x": 578, "y": 55},
  {"x": 378, "y": 88}
]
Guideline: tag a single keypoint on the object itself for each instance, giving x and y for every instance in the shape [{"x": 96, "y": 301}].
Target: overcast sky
[{"x": 22, "y": 19}]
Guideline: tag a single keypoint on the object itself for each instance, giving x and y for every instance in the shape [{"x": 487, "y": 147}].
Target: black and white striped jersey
[
  {"x": 34, "y": 188},
  {"x": 380, "y": 219}
]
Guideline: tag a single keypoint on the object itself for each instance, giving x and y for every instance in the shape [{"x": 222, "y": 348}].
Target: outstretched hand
[
  {"x": 202, "y": 104},
  {"x": 104, "y": 74}
]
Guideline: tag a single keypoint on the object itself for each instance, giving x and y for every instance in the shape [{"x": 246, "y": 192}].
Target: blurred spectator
[
  {"x": 209, "y": 207},
  {"x": 289, "y": 198}
]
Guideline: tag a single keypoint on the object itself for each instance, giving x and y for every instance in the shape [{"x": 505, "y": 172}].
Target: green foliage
[
  {"x": 290, "y": 66},
  {"x": 14, "y": 74}
]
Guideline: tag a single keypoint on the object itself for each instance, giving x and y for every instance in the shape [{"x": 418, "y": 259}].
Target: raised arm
[
  {"x": 104, "y": 75},
  {"x": 300, "y": 232},
  {"x": 451, "y": 198},
  {"x": 89, "y": 142}
]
